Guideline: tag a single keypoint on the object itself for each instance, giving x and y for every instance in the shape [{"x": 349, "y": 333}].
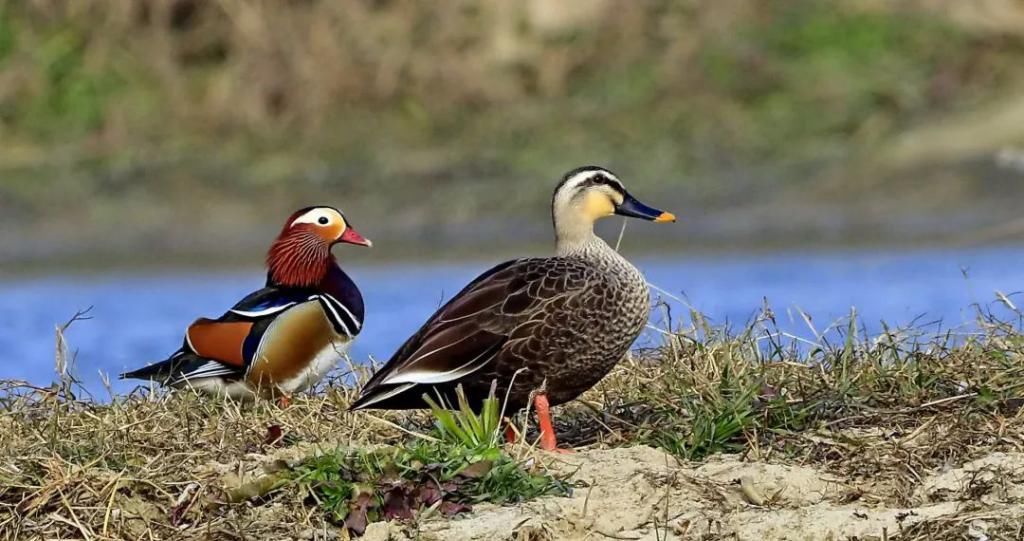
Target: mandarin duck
[
  {"x": 548, "y": 328},
  {"x": 284, "y": 337}
]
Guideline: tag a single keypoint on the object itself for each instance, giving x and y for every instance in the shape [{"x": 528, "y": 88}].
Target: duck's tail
[
  {"x": 159, "y": 371},
  {"x": 155, "y": 371}
]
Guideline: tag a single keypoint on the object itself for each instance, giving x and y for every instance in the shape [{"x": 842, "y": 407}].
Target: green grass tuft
[
  {"x": 881, "y": 413},
  {"x": 466, "y": 428},
  {"x": 462, "y": 466}
]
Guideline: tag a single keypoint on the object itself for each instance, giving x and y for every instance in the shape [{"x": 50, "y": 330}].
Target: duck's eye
[{"x": 323, "y": 220}]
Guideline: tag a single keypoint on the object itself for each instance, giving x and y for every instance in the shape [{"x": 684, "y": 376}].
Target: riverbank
[
  {"x": 712, "y": 435},
  {"x": 136, "y": 131}
]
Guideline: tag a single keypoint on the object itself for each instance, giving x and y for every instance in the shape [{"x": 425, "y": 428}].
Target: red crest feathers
[{"x": 299, "y": 257}]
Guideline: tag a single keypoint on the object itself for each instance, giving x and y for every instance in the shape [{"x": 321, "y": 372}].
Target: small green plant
[
  {"x": 716, "y": 426},
  {"x": 467, "y": 428},
  {"x": 855, "y": 406},
  {"x": 463, "y": 465},
  {"x": 330, "y": 483}
]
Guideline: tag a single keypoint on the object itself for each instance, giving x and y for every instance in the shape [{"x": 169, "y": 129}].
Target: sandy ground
[{"x": 641, "y": 493}]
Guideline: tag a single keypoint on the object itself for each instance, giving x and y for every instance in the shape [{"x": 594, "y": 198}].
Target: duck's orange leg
[
  {"x": 511, "y": 434},
  {"x": 548, "y": 442}
]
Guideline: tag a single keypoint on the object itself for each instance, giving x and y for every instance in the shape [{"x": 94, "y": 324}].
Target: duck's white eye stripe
[
  {"x": 318, "y": 216},
  {"x": 588, "y": 179}
]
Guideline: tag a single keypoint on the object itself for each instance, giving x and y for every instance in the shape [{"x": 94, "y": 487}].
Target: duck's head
[
  {"x": 301, "y": 254},
  {"x": 587, "y": 194}
]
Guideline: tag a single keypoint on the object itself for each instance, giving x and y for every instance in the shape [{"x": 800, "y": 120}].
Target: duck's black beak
[{"x": 635, "y": 209}]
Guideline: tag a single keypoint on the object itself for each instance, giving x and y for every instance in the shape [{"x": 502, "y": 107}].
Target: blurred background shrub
[{"x": 148, "y": 131}]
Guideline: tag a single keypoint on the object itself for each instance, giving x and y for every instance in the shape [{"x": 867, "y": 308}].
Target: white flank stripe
[
  {"x": 404, "y": 377},
  {"x": 261, "y": 313},
  {"x": 425, "y": 377},
  {"x": 209, "y": 369},
  {"x": 387, "y": 395},
  {"x": 337, "y": 317},
  {"x": 358, "y": 323},
  {"x": 188, "y": 340}
]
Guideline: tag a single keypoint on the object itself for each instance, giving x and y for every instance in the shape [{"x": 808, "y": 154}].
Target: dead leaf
[
  {"x": 358, "y": 518},
  {"x": 182, "y": 505},
  {"x": 397, "y": 504},
  {"x": 476, "y": 470},
  {"x": 390, "y": 475},
  {"x": 278, "y": 465},
  {"x": 429, "y": 494},
  {"x": 450, "y": 509},
  {"x": 274, "y": 435},
  {"x": 1013, "y": 404},
  {"x": 751, "y": 493}
]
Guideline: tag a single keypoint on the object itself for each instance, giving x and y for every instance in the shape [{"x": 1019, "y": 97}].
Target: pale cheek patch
[
  {"x": 597, "y": 205},
  {"x": 335, "y": 229}
]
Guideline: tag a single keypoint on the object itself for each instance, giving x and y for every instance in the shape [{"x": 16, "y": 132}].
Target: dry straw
[{"x": 884, "y": 409}]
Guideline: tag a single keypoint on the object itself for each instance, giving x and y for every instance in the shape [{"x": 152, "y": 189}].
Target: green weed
[
  {"x": 709, "y": 390},
  {"x": 467, "y": 429},
  {"x": 462, "y": 466}
]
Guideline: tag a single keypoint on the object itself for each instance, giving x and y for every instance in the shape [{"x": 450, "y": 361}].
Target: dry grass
[
  {"x": 68, "y": 465},
  {"x": 882, "y": 413},
  {"x": 146, "y": 464}
]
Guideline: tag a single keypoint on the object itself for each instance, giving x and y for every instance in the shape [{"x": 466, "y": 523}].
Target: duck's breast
[
  {"x": 297, "y": 350},
  {"x": 590, "y": 333}
]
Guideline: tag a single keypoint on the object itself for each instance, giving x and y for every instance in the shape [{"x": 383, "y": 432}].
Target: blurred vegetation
[{"x": 202, "y": 123}]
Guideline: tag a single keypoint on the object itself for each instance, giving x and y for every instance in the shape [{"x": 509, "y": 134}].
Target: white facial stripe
[
  {"x": 314, "y": 217},
  {"x": 584, "y": 176},
  {"x": 577, "y": 181},
  {"x": 575, "y": 186}
]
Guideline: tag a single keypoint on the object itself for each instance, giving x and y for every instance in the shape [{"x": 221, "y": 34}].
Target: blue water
[{"x": 140, "y": 318}]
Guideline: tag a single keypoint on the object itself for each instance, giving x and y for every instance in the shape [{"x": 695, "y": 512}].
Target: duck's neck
[
  {"x": 584, "y": 244},
  {"x": 299, "y": 260},
  {"x": 339, "y": 285}
]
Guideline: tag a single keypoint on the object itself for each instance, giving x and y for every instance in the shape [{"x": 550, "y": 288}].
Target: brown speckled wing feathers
[{"x": 490, "y": 329}]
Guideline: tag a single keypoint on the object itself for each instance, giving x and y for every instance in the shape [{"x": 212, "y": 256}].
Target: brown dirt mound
[{"x": 641, "y": 493}]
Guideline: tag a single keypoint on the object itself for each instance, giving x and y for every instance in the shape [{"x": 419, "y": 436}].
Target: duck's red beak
[{"x": 351, "y": 236}]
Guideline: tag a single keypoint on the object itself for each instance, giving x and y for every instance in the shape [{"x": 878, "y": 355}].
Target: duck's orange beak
[{"x": 351, "y": 236}]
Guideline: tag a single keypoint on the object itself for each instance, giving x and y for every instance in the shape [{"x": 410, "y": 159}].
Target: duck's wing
[
  {"x": 496, "y": 312},
  {"x": 225, "y": 346}
]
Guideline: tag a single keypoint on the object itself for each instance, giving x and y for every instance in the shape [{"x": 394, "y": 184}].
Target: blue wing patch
[{"x": 267, "y": 301}]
